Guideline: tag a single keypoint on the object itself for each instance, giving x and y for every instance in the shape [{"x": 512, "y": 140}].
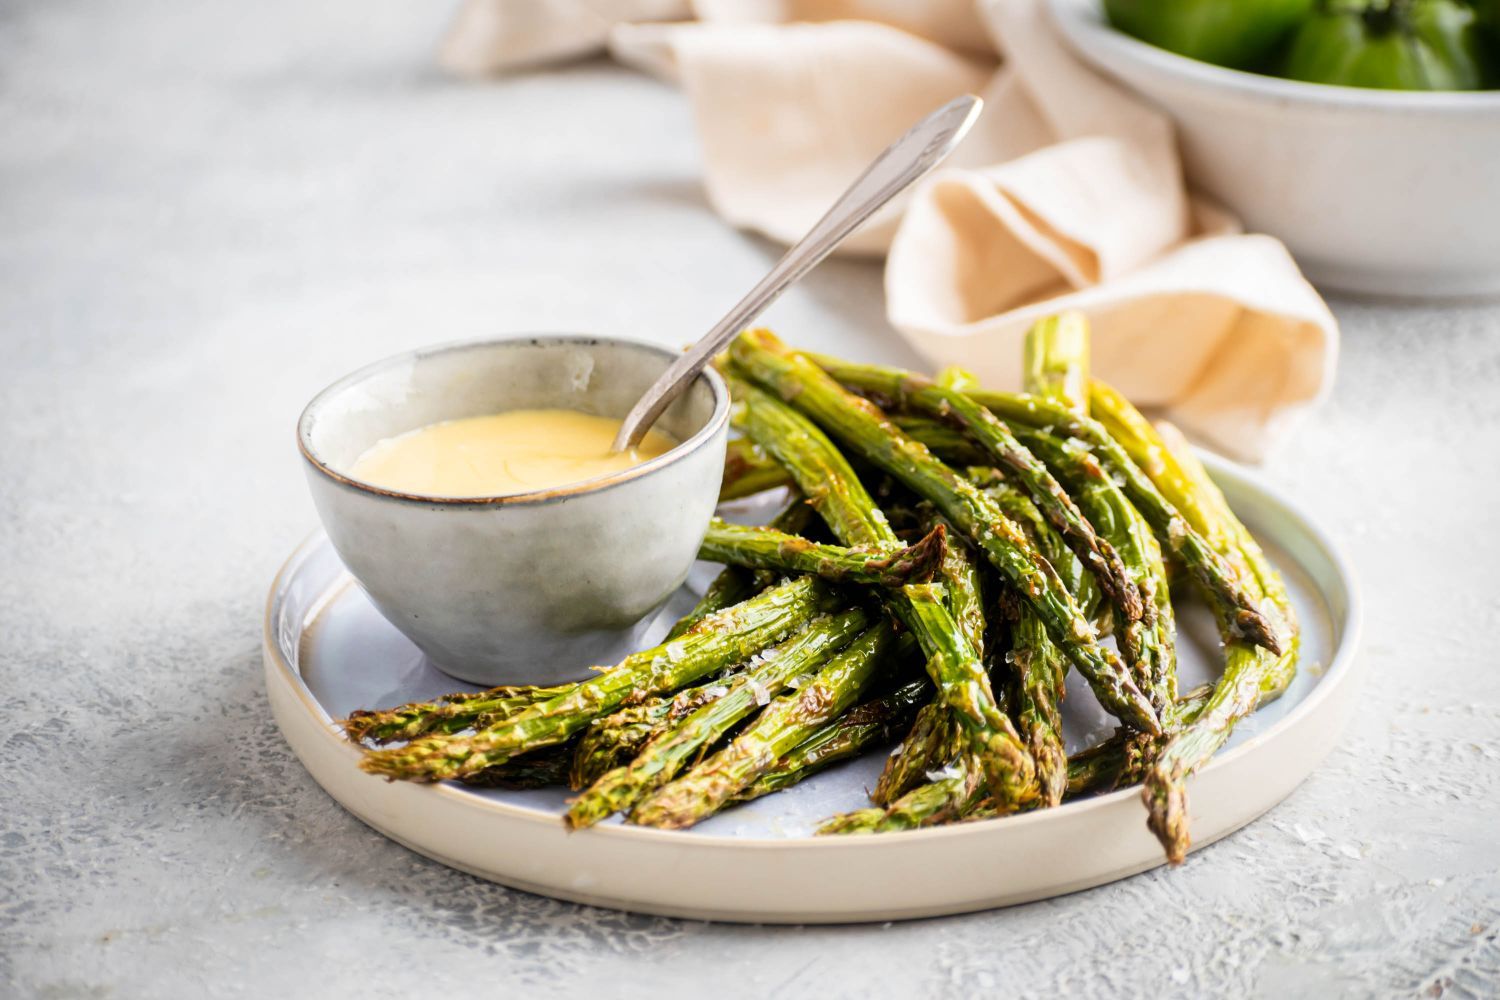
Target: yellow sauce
[{"x": 515, "y": 452}]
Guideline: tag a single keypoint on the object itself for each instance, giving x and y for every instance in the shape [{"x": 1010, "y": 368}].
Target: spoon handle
[{"x": 903, "y": 162}]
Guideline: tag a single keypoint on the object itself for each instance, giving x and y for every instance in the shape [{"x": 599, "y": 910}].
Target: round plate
[{"x": 327, "y": 652}]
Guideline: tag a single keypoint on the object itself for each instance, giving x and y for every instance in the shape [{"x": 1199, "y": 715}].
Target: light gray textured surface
[{"x": 207, "y": 211}]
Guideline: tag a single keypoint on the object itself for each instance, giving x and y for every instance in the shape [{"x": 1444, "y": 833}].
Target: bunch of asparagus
[{"x": 1016, "y": 537}]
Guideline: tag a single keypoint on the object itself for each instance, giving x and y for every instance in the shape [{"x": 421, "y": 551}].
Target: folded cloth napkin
[{"x": 1067, "y": 194}]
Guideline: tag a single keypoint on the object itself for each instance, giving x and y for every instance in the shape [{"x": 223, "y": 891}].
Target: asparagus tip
[
  {"x": 1166, "y": 814},
  {"x": 857, "y": 822}
]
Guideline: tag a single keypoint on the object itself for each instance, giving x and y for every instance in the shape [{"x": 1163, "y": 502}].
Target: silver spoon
[{"x": 903, "y": 162}]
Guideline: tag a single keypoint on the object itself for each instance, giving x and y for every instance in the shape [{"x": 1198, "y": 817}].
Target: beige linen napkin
[
  {"x": 1067, "y": 194},
  {"x": 493, "y": 36}
]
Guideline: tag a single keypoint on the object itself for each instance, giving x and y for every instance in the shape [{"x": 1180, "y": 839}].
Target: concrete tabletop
[{"x": 210, "y": 210}]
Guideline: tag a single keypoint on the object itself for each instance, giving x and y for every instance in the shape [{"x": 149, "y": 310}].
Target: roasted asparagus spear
[
  {"x": 671, "y": 750},
  {"x": 724, "y": 638},
  {"x": 866, "y": 430},
  {"x": 825, "y": 476}
]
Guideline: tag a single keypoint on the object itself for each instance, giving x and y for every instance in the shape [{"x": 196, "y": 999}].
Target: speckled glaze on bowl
[
  {"x": 532, "y": 587},
  {"x": 1379, "y": 192}
]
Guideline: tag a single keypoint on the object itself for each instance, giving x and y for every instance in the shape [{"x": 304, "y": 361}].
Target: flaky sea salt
[{"x": 1177, "y": 530}]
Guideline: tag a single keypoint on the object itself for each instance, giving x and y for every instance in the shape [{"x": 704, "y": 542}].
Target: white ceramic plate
[{"x": 327, "y": 652}]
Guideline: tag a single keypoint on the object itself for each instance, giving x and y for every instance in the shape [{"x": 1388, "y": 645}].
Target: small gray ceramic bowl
[{"x": 531, "y": 588}]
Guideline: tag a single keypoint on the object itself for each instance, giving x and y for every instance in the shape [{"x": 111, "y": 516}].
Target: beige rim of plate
[{"x": 944, "y": 870}]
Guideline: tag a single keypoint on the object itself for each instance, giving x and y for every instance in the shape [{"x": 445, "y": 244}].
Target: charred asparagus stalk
[
  {"x": 1252, "y": 675},
  {"x": 1149, "y": 644},
  {"x": 1122, "y": 760},
  {"x": 947, "y": 442},
  {"x": 616, "y": 738},
  {"x": 1224, "y": 589},
  {"x": 668, "y": 752},
  {"x": 451, "y": 713},
  {"x": 963, "y": 588},
  {"x": 864, "y": 726},
  {"x": 821, "y": 471},
  {"x": 930, "y": 743},
  {"x": 784, "y": 724},
  {"x": 825, "y": 476},
  {"x": 767, "y": 548},
  {"x": 952, "y": 794},
  {"x": 537, "y": 770},
  {"x": 865, "y": 429},
  {"x": 1040, "y": 667},
  {"x": 724, "y": 638},
  {"x": 960, "y": 676},
  {"x": 734, "y": 584},
  {"x": 913, "y": 392},
  {"x": 613, "y": 740},
  {"x": 1057, "y": 358}
]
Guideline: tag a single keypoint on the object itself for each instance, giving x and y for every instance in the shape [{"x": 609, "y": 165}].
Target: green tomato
[
  {"x": 1239, "y": 34},
  {"x": 1389, "y": 45}
]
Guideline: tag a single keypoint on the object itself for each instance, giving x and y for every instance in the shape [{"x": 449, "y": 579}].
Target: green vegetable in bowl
[
  {"x": 1389, "y": 45},
  {"x": 1487, "y": 12},
  {"x": 1240, "y": 34}
]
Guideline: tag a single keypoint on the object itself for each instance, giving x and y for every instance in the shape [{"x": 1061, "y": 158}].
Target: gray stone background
[{"x": 208, "y": 210}]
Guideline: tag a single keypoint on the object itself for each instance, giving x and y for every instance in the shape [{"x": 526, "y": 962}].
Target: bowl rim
[
  {"x": 1083, "y": 25},
  {"x": 710, "y": 429}
]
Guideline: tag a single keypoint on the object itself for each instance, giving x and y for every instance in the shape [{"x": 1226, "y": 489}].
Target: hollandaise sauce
[{"x": 516, "y": 452}]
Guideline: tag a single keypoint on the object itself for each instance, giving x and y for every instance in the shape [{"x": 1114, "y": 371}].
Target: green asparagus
[
  {"x": 668, "y": 752},
  {"x": 612, "y": 740},
  {"x": 785, "y": 723},
  {"x": 734, "y": 584},
  {"x": 929, "y": 744},
  {"x": 862, "y": 426},
  {"x": 1122, "y": 760},
  {"x": 536, "y": 770},
  {"x": 452, "y": 713},
  {"x": 726, "y": 637},
  {"x": 1055, "y": 358},
  {"x": 954, "y": 794},
  {"x": 862, "y": 727},
  {"x": 821, "y": 471},
  {"x": 767, "y": 548},
  {"x": 1072, "y": 497},
  {"x": 1252, "y": 675},
  {"x": 1039, "y": 667},
  {"x": 1224, "y": 589},
  {"x": 913, "y": 392},
  {"x": 823, "y": 474}
]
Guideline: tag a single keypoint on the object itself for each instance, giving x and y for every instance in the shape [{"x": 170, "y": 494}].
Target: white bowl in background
[{"x": 1373, "y": 191}]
